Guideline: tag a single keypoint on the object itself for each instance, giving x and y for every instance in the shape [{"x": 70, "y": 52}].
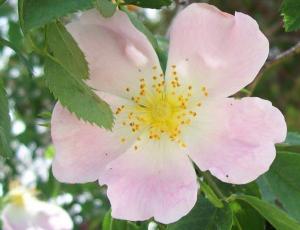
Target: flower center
[
  {"x": 17, "y": 199},
  {"x": 161, "y": 112},
  {"x": 160, "y": 109}
]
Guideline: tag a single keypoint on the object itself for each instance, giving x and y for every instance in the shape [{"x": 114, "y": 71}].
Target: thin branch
[{"x": 273, "y": 62}]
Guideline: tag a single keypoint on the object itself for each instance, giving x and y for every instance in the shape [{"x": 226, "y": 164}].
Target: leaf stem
[
  {"x": 210, "y": 181},
  {"x": 294, "y": 50},
  {"x": 9, "y": 44}
]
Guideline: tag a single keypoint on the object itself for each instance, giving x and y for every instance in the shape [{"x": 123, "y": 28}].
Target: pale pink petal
[
  {"x": 215, "y": 49},
  {"x": 82, "y": 149},
  {"x": 235, "y": 138},
  {"x": 36, "y": 215},
  {"x": 118, "y": 54},
  {"x": 156, "y": 180}
]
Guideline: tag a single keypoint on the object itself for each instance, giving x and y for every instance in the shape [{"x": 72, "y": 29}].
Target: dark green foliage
[
  {"x": 156, "y": 4},
  {"x": 205, "y": 216},
  {"x": 291, "y": 16},
  {"x": 282, "y": 181},
  {"x": 106, "y": 7},
  {"x": 4, "y": 123},
  {"x": 245, "y": 217},
  {"x": 36, "y": 13},
  {"x": 110, "y": 223},
  {"x": 292, "y": 139},
  {"x": 279, "y": 219}
]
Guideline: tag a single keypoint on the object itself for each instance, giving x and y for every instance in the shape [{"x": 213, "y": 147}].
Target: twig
[{"x": 273, "y": 62}]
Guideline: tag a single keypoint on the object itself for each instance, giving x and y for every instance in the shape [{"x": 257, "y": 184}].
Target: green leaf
[
  {"x": 4, "y": 122},
  {"x": 292, "y": 139},
  {"x": 75, "y": 95},
  {"x": 106, "y": 7},
  {"x": 112, "y": 224},
  {"x": 291, "y": 17},
  {"x": 2, "y": 1},
  {"x": 49, "y": 152},
  {"x": 283, "y": 182},
  {"x": 65, "y": 49},
  {"x": 279, "y": 219},
  {"x": 245, "y": 217},
  {"x": 149, "y": 4},
  {"x": 205, "y": 216},
  {"x": 210, "y": 195},
  {"x": 36, "y": 13},
  {"x": 141, "y": 27}
]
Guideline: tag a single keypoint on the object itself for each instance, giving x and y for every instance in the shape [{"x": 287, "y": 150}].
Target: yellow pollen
[
  {"x": 17, "y": 199},
  {"x": 160, "y": 108}
]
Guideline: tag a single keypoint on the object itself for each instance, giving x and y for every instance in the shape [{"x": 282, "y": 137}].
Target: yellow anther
[{"x": 161, "y": 111}]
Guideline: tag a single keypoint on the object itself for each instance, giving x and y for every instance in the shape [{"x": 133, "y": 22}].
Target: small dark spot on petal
[{"x": 227, "y": 175}]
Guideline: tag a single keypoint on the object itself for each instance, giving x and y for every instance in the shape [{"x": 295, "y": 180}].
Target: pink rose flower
[
  {"x": 24, "y": 211},
  {"x": 164, "y": 122}
]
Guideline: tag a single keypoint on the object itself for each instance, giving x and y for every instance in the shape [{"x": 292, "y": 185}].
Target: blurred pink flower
[
  {"x": 25, "y": 212},
  {"x": 165, "y": 121}
]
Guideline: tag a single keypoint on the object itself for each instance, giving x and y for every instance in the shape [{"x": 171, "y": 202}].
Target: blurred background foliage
[{"x": 31, "y": 103}]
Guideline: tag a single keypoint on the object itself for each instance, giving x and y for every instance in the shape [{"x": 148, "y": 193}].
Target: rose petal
[
  {"x": 117, "y": 53},
  {"x": 82, "y": 149},
  {"x": 215, "y": 49},
  {"x": 235, "y": 139},
  {"x": 38, "y": 215},
  {"x": 156, "y": 180}
]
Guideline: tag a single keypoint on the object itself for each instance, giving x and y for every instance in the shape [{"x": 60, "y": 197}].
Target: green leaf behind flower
[
  {"x": 37, "y": 13},
  {"x": 279, "y": 219},
  {"x": 205, "y": 216},
  {"x": 282, "y": 183},
  {"x": 4, "y": 122},
  {"x": 156, "y": 4},
  {"x": 291, "y": 14},
  {"x": 106, "y": 7},
  {"x": 112, "y": 224}
]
